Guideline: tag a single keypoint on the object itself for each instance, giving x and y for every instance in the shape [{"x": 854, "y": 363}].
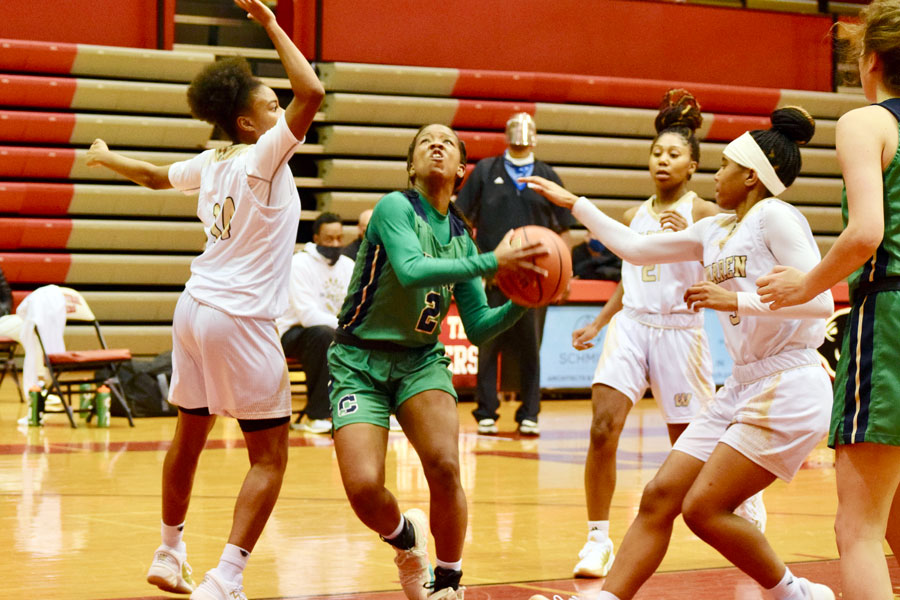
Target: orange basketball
[{"x": 531, "y": 289}]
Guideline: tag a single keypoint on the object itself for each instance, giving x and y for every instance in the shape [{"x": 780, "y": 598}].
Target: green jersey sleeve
[
  {"x": 393, "y": 223},
  {"x": 480, "y": 321}
]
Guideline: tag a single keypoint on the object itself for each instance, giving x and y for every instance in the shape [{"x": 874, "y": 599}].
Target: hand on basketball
[
  {"x": 707, "y": 294},
  {"x": 550, "y": 190},
  {"x": 782, "y": 286},
  {"x": 518, "y": 257},
  {"x": 256, "y": 11},
  {"x": 98, "y": 148},
  {"x": 672, "y": 221},
  {"x": 581, "y": 338}
]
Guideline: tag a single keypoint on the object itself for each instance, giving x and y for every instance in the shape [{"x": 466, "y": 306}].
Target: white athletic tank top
[
  {"x": 735, "y": 255},
  {"x": 659, "y": 289},
  {"x": 250, "y": 211}
]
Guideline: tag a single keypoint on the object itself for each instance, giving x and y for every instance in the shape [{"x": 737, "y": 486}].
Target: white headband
[{"x": 746, "y": 152}]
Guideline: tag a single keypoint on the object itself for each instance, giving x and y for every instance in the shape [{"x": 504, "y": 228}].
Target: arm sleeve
[
  {"x": 480, "y": 321},
  {"x": 788, "y": 237},
  {"x": 469, "y": 198},
  {"x": 393, "y": 220},
  {"x": 185, "y": 175},
  {"x": 669, "y": 247},
  {"x": 304, "y": 296},
  {"x": 564, "y": 218}
]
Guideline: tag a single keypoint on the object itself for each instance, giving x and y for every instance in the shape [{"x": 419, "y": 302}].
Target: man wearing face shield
[
  {"x": 495, "y": 202},
  {"x": 320, "y": 276}
]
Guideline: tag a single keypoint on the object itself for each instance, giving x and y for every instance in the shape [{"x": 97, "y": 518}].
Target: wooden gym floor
[{"x": 80, "y": 512}]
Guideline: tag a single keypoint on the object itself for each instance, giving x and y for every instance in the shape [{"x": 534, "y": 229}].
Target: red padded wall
[
  {"x": 622, "y": 38},
  {"x": 103, "y": 22}
]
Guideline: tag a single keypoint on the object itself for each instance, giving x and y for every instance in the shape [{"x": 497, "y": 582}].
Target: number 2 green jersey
[{"x": 411, "y": 261}]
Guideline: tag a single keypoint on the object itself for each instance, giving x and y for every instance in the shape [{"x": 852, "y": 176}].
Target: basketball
[{"x": 529, "y": 288}]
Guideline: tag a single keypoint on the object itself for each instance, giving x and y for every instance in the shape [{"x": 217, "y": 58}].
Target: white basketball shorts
[
  {"x": 668, "y": 353},
  {"x": 773, "y": 411},
  {"x": 234, "y": 366}
]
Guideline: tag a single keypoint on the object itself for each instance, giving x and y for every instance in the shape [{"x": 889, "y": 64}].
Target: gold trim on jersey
[
  {"x": 858, "y": 360},
  {"x": 697, "y": 364},
  {"x": 222, "y": 154},
  {"x": 648, "y": 203},
  {"x": 735, "y": 223}
]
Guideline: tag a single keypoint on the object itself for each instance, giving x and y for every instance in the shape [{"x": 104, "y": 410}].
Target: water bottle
[
  {"x": 35, "y": 406},
  {"x": 101, "y": 406},
  {"x": 86, "y": 400}
]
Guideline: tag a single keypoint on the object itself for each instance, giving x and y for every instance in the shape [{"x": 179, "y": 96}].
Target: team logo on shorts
[
  {"x": 830, "y": 350},
  {"x": 683, "y": 399},
  {"x": 347, "y": 405}
]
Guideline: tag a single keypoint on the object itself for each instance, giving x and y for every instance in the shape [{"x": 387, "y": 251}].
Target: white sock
[
  {"x": 452, "y": 566},
  {"x": 398, "y": 530},
  {"x": 171, "y": 536},
  {"x": 607, "y": 596},
  {"x": 598, "y": 529},
  {"x": 789, "y": 588},
  {"x": 232, "y": 562}
]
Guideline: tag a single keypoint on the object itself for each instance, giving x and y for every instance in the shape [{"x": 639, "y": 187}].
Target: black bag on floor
[{"x": 146, "y": 385}]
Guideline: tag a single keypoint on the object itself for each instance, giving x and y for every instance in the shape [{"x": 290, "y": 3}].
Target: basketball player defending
[{"x": 227, "y": 358}]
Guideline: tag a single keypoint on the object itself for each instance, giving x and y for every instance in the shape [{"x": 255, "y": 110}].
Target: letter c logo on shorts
[{"x": 347, "y": 405}]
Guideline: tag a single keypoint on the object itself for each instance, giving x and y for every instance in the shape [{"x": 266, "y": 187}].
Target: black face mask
[{"x": 331, "y": 253}]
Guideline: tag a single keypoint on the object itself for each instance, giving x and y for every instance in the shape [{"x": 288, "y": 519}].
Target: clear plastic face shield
[{"x": 521, "y": 130}]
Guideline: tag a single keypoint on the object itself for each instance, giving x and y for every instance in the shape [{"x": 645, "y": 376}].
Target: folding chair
[
  {"x": 69, "y": 371},
  {"x": 7, "y": 357}
]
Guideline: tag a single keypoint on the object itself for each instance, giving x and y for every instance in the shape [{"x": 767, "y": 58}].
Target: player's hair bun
[
  {"x": 678, "y": 109},
  {"x": 794, "y": 123}
]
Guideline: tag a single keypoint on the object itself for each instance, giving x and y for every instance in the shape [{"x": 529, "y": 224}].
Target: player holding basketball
[
  {"x": 773, "y": 409},
  {"x": 656, "y": 339},
  {"x": 865, "y": 419},
  {"x": 416, "y": 253},
  {"x": 227, "y": 358}
]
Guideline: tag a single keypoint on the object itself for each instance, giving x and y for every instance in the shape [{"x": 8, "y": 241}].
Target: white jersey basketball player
[
  {"x": 775, "y": 406},
  {"x": 226, "y": 355}
]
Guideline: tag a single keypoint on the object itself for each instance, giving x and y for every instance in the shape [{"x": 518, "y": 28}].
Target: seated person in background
[
  {"x": 6, "y": 299},
  {"x": 353, "y": 247},
  {"x": 592, "y": 260},
  {"x": 320, "y": 275}
]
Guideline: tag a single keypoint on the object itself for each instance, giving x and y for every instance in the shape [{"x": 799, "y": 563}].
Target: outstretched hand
[
  {"x": 519, "y": 256},
  {"x": 98, "y": 148},
  {"x": 782, "y": 286},
  {"x": 550, "y": 190},
  {"x": 707, "y": 294},
  {"x": 581, "y": 338},
  {"x": 257, "y": 11}
]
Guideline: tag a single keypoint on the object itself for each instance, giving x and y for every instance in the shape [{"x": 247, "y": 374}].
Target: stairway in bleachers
[{"x": 129, "y": 248}]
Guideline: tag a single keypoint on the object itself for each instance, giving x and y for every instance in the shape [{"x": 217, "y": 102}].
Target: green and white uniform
[
  {"x": 867, "y": 379},
  {"x": 411, "y": 262}
]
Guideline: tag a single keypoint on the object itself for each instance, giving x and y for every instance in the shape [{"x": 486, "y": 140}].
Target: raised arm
[
  {"x": 143, "y": 173},
  {"x": 393, "y": 225},
  {"x": 637, "y": 249},
  {"x": 307, "y": 89}
]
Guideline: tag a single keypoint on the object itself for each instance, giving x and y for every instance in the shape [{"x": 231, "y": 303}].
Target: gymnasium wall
[
  {"x": 625, "y": 38},
  {"x": 131, "y": 23}
]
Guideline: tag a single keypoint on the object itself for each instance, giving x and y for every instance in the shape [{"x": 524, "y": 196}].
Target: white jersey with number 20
[{"x": 250, "y": 211}]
